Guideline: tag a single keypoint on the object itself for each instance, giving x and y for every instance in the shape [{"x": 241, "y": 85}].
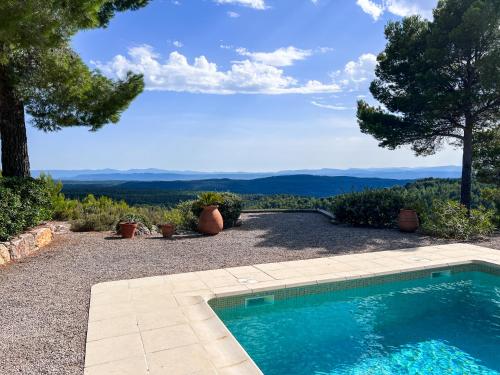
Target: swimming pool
[{"x": 443, "y": 322}]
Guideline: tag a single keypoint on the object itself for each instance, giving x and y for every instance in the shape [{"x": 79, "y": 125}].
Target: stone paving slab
[{"x": 164, "y": 325}]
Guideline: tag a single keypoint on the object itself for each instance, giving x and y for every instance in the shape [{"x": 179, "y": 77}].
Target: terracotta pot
[
  {"x": 127, "y": 230},
  {"x": 167, "y": 230},
  {"x": 211, "y": 221},
  {"x": 408, "y": 221}
]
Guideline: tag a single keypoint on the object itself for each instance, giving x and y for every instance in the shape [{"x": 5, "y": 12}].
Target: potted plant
[
  {"x": 171, "y": 220},
  {"x": 408, "y": 220},
  {"x": 127, "y": 229},
  {"x": 128, "y": 225},
  {"x": 210, "y": 221}
]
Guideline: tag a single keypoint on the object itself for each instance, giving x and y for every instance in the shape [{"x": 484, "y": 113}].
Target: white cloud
[
  {"x": 400, "y": 8},
  {"x": 233, "y": 14},
  {"x": 255, "y": 4},
  {"x": 357, "y": 74},
  {"x": 405, "y": 8},
  {"x": 361, "y": 70},
  {"x": 330, "y": 106},
  {"x": 324, "y": 49},
  {"x": 281, "y": 57},
  {"x": 177, "y": 43},
  {"x": 369, "y": 7},
  {"x": 202, "y": 76}
]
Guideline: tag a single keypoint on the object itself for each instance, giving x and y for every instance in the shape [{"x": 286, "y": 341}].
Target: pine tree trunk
[
  {"x": 466, "y": 187},
  {"x": 14, "y": 143}
]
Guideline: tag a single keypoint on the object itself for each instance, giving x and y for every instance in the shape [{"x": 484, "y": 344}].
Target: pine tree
[
  {"x": 41, "y": 75},
  {"x": 439, "y": 81}
]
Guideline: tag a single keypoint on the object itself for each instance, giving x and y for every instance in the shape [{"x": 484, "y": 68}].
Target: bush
[
  {"x": 174, "y": 216},
  {"x": 92, "y": 214},
  {"x": 449, "y": 219},
  {"x": 230, "y": 209},
  {"x": 491, "y": 200},
  {"x": 189, "y": 218},
  {"x": 11, "y": 219},
  {"x": 62, "y": 208},
  {"x": 370, "y": 208},
  {"x": 24, "y": 203}
]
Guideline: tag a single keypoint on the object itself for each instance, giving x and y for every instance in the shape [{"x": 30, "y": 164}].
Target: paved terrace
[{"x": 44, "y": 300}]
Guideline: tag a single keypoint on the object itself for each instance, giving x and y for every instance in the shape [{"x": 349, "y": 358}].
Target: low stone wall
[{"x": 31, "y": 241}]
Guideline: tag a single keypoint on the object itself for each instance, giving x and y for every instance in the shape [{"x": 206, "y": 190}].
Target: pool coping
[{"x": 164, "y": 324}]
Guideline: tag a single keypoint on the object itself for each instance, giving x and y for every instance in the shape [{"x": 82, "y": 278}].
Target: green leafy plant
[
  {"x": 491, "y": 199},
  {"x": 230, "y": 209},
  {"x": 450, "y": 219},
  {"x": 11, "y": 219},
  {"x": 24, "y": 203},
  {"x": 210, "y": 199},
  {"x": 174, "y": 217},
  {"x": 189, "y": 218},
  {"x": 97, "y": 214},
  {"x": 371, "y": 208}
]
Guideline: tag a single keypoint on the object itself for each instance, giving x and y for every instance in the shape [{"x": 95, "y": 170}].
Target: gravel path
[{"x": 44, "y": 299}]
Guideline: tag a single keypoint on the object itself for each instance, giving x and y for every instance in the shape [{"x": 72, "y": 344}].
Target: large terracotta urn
[
  {"x": 211, "y": 221},
  {"x": 408, "y": 220}
]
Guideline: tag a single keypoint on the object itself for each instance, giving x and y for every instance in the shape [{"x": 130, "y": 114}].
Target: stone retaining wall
[{"x": 31, "y": 241}]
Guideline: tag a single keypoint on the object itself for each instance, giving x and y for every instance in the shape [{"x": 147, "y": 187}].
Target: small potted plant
[
  {"x": 408, "y": 220},
  {"x": 210, "y": 221},
  {"x": 171, "y": 220},
  {"x": 128, "y": 226}
]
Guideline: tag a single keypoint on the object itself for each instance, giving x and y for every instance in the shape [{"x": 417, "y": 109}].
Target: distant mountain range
[
  {"x": 168, "y": 175},
  {"x": 303, "y": 185}
]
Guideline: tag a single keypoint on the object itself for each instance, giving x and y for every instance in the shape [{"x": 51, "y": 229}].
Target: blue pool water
[{"x": 448, "y": 325}]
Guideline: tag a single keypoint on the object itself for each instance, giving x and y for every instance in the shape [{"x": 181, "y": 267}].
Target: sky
[{"x": 238, "y": 85}]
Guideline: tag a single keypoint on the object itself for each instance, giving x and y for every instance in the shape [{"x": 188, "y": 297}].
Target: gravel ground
[{"x": 44, "y": 299}]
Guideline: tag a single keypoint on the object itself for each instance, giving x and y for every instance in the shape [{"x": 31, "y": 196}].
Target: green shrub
[
  {"x": 449, "y": 219},
  {"x": 174, "y": 216},
  {"x": 11, "y": 218},
  {"x": 97, "y": 214},
  {"x": 24, "y": 203},
  {"x": 370, "y": 208},
  {"x": 189, "y": 218},
  {"x": 491, "y": 199},
  {"x": 208, "y": 199},
  {"x": 62, "y": 208},
  {"x": 154, "y": 215},
  {"x": 35, "y": 197},
  {"x": 281, "y": 201},
  {"x": 230, "y": 209}
]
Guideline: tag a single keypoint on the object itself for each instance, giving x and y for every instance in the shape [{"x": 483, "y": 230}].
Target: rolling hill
[{"x": 303, "y": 185}]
